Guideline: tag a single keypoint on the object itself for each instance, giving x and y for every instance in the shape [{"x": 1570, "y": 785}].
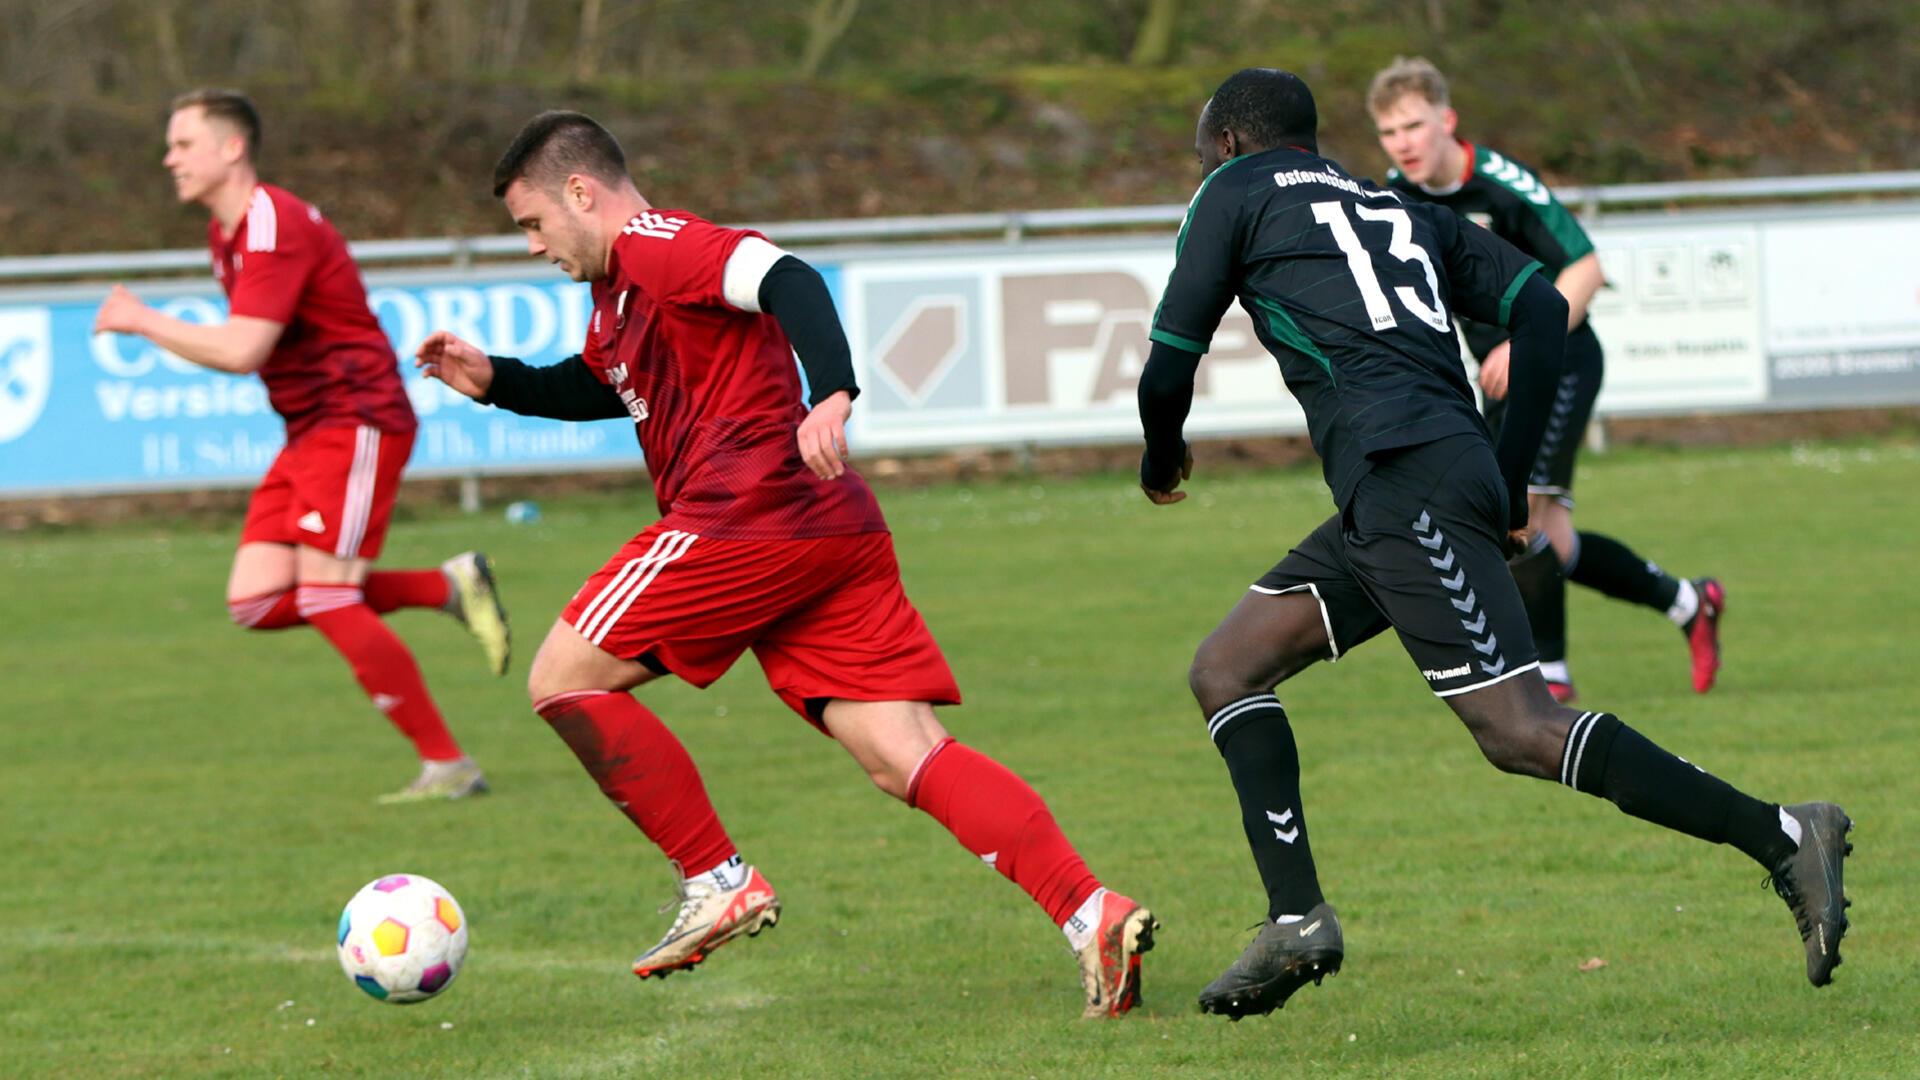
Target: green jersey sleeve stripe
[
  {"x": 1281, "y": 323},
  {"x": 1168, "y": 337},
  {"x": 1513, "y": 290},
  {"x": 1180, "y": 241}
]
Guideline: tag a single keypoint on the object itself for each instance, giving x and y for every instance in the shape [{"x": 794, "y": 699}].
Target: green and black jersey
[
  {"x": 1506, "y": 197},
  {"x": 1352, "y": 289}
]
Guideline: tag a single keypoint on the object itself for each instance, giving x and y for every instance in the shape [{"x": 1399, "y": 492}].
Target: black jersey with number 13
[{"x": 1351, "y": 289}]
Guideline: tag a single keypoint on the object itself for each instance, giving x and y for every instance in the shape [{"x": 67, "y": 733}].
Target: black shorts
[
  {"x": 1567, "y": 424},
  {"x": 1421, "y": 547}
]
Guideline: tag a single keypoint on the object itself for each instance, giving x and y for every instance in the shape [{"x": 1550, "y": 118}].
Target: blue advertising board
[{"x": 80, "y": 412}]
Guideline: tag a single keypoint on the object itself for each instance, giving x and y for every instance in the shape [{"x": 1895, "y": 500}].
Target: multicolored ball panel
[
  {"x": 435, "y": 977},
  {"x": 390, "y": 938},
  {"x": 447, "y": 912}
]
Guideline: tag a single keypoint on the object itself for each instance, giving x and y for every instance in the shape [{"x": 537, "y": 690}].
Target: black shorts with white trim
[{"x": 1420, "y": 548}]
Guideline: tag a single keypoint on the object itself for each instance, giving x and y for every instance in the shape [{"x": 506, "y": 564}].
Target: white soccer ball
[{"x": 402, "y": 938}]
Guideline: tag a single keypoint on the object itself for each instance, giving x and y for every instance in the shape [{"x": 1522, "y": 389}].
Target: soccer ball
[{"x": 402, "y": 938}]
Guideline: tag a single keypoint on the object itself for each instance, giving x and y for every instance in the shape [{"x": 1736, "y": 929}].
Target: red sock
[
  {"x": 391, "y": 590},
  {"x": 995, "y": 815},
  {"x": 642, "y": 767},
  {"x": 274, "y": 610},
  {"x": 380, "y": 660}
]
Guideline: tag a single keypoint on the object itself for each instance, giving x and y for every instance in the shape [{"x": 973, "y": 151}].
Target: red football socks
[
  {"x": 382, "y": 664},
  {"x": 995, "y": 815},
  {"x": 644, "y": 770},
  {"x": 274, "y": 610},
  {"x": 385, "y": 590},
  {"x": 391, "y": 590}
]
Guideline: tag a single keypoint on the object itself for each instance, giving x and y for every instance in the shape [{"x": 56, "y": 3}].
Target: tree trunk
[
  {"x": 586, "y": 48},
  {"x": 406, "y": 35},
  {"x": 825, "y": 27},
  {"x": 1153, "y": 46},
  {"x": 166, "y": 47}
]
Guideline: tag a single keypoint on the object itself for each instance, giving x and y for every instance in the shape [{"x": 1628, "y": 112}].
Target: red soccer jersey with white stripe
[
  {"x": 713, "y": 390},
  {"x": 333, "y": 365}
]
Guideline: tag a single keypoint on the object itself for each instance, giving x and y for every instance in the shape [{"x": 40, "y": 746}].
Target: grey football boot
[
  {"x": 1284, "y": 958},
  {"x": 1809, "y": 881}
]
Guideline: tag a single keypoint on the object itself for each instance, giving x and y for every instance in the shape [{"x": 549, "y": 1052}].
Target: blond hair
[{"x": 1407, "y": 75}]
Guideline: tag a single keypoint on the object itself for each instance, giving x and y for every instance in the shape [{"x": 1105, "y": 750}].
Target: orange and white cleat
[
  {"x": 709, "y": 918},
  {"x": 1110, "y": 963}
]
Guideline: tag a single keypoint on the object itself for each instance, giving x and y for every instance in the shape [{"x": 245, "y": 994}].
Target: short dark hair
[
  {"x": 231, "y": 106},
  {"x": 554, "y": 146},
  {"x": 1266, "y": 106}
]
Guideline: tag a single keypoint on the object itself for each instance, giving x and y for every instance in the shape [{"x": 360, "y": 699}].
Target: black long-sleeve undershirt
[
  {"x": 567, "y": 390},
  {"x": 792, "y": 292},
  {"x": 1166, "y": 396},
  {"x": 797, "y": 298},
  {"x": 1538, "y": 351}
]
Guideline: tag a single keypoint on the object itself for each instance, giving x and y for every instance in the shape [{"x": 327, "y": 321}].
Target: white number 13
[{"x": 1401, "y": 246}]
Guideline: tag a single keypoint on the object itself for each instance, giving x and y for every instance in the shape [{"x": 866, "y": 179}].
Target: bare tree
[
  {"x": 826, "y": 25},
  {"x": 406, "y": 36},
  {"x": 586, "y": 47},
  {"x": 1153, "y": 45}
]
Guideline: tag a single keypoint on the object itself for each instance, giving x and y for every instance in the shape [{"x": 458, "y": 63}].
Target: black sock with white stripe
[
  {"x": 1254, "y": 737},
  {"x": 1607, "y": 758}
]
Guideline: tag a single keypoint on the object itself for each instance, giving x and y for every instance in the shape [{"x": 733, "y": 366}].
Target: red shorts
[
  {"x": 826, "y": 617},
  {"x": 332, "y": 489}
]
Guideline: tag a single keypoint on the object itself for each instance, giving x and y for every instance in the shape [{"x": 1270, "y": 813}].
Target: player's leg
[
  {"x": 1540, "y": 572},
  {"x": 463, "y": 587},
  {"x": 859, "y": 661},
  {"x": 669, "y": 602},
  {"x": 1522, "y": 730},
  {"x": 997, "y": 816},
  {"x": 260, "y": 585},
  {"x": 1466, "y": 629},
  {"x": 345, "y": 481},
  {"x": 1304, "y": 610},
  {"x": 1607, "y": 566}
]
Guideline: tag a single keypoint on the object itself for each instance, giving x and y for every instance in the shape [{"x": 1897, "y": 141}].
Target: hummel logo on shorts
[{"x": 312, "y": 522}]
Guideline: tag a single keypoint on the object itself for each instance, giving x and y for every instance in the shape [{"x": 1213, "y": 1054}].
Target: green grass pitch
[{"x": 186, "y": 807}]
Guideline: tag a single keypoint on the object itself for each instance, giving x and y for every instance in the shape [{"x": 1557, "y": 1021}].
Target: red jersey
[
  {"x": 713, "y": 390},
  {"x": 333, "y": 365}
]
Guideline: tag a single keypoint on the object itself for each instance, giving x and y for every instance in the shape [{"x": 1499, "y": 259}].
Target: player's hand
[
  {"x": 1161, "y": 491},
  {"x": 1493, "y": 372},
  {"x": 823, "y": 436},
  {"x": 120, "y": 313},
  {"x": 460, "y": 364},
  {"x": 1518, "y": 541}
]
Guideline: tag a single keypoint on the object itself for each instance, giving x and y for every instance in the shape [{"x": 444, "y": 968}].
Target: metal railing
[{"x": 1011, "y": 226}]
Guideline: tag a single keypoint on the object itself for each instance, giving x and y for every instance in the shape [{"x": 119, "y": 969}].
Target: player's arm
[
  {"x": 1494, "y": 282},
  {"x": 567, "y": 390},
  {"x": 760, "y": 277},
  {"x": 1579, "y": 283},
  {"x": 241, "y": 345},
  {"x": 1537, "y": 320},
  {"x": 1166, "y": 396},
  {"x": 1197, "y": 294}
]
